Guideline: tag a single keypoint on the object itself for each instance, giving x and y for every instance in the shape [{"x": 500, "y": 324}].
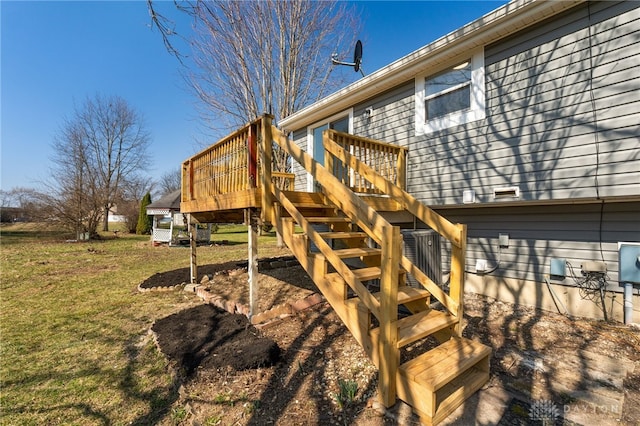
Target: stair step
[
  {"x": 302, "y": 197},
  {"x": 437, "y": 367},
  {"x": 312, "y": 205},
  {"x": 365, "y": 274},
  {"x": 357, "y": 252},
  {"x": 420, "y": 325},
  {"x": 324, "y": 219},
  {"x": 407, "y": 294},
  {"x": 362, "y": 274},
  {"x": 436, "y": 383},
  {"x": 342, "y": 235}
]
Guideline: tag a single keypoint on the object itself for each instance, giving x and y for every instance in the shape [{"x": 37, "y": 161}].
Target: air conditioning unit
[{"x": 423, "y": 248}]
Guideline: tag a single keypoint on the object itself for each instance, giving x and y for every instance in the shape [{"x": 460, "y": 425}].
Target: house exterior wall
[
  {"x": 562, "y": 125},
  {"x": 540, "y": 129},
  {"x": 540, "y": 233}
]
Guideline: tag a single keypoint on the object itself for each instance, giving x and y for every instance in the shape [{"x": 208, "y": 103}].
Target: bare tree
[
  {"x": 268, "y": 56},
  {"x": 170, "y": 181},
  {"x": 98, "y": 151}
]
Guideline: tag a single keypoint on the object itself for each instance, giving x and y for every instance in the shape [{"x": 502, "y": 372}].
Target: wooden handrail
[
  {"x": 386, "y": 159},
  {"x": 370, "y": 221},
  {"x": 284, "y": 181},
  {"x": 364, "y": 216},
  {"x": 385, "y": 309},
  {"x": 435, "y": 221},
  {"x": 455, "y": 233}
]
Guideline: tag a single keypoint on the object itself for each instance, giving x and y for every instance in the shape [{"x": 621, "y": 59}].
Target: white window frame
[
  {"x": 311, "y": 142},
  {"x": 474, "y": 113}
]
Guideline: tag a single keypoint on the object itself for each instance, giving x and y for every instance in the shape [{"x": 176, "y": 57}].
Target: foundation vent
[{"x": 506, "y": 193}]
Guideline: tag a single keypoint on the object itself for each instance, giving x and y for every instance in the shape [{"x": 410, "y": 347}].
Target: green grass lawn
[{"x": 74, "y": 343}]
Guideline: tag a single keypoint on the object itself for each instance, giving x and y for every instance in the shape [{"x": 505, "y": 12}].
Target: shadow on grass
[{"x": 159, "y": 398}]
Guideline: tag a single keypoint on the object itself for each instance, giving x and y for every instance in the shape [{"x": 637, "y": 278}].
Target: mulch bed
[
  {"x": 171, "y": 279},
  {"x": 210, "y": 338},
  {"x": 183, "y": 275}
]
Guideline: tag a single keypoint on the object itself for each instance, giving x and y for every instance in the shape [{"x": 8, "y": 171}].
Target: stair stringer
[{"x": 354, "y": 315}]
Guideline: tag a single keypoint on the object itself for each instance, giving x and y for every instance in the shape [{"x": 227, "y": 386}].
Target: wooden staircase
[
  {"x": 353, "y": 254},
  {"x": 434, "y": 383}
]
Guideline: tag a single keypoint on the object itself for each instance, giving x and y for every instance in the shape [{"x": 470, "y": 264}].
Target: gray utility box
[
  {"x": 629, "y": 263},
  {"x": 423, "y": 248}
]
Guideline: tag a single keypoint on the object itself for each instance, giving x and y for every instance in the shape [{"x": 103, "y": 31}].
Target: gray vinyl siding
[
  {"x": 538, "y": 234},
  {"x": 393, "y": 116},
  {"x": 562, "y": 124},
  {"x": 541, "y": 133}
]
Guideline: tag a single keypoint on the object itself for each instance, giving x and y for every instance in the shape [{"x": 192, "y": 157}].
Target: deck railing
[
  {"x": 386, "y": 159},
  {"x": 229, "y": 166},
  {"x": 222, "y": 168}
]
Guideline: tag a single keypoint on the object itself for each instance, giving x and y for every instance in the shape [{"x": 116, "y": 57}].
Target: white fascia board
[{"x": 505, "y": 20}]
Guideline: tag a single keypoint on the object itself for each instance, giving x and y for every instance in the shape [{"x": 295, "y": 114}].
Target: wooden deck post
[
  {"x": 389, "y": 353},
  {"x": 402, "y": 170},
  {"x": 266, "y": 155},
  {"x": 458, "y": 254},
  {"x": 252, "y": 229},
  {"x": 193, "y": 235}
]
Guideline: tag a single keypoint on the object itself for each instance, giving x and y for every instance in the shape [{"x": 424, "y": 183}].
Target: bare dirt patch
[{"x": 589, "y": 370}]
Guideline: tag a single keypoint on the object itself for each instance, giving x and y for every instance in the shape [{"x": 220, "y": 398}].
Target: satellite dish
[
  {"x": 357, "y": 56},
  {"x": 357, "y": 59}
]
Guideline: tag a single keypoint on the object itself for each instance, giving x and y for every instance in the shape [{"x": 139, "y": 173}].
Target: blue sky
[{"x": 56, "y": 54}]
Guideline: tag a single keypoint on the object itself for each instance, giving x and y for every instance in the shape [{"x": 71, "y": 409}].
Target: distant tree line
[{"x": 101, "y": 154}]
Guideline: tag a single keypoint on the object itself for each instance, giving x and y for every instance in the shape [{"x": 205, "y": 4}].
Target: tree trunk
[{"x": 105, "y": 219}]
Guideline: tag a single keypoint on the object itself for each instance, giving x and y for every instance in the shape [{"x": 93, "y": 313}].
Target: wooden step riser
[
  {"x": 437, "y": 382},
  {"x": 310, "y": 211},
  {"x": 441, "y": 365},
  {"x": 433, "y": 408},
  {"x": 332, "y": 220},
  {"x": 297, "y": 197},
  {"x": 420, "y": 325}
]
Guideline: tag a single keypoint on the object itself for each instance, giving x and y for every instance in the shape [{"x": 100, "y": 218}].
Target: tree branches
[
  {"x": 268, "y": 56},
  {"x": 98, "y": 153}
]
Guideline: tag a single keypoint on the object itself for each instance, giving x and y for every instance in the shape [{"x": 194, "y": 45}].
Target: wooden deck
[{"x": 361, "y": 179}]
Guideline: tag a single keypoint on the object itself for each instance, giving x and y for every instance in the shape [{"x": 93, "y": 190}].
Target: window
[{"x": 451, "y": 96}]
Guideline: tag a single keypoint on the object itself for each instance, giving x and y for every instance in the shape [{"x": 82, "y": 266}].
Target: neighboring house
[
  {"x": 166, "y": 214},
  {"x": 168, "y": 221},
  {"x": 525, "y": 125}
]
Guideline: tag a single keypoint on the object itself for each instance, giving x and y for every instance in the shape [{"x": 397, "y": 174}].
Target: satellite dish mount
[{"x": 357, "y": 59}]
